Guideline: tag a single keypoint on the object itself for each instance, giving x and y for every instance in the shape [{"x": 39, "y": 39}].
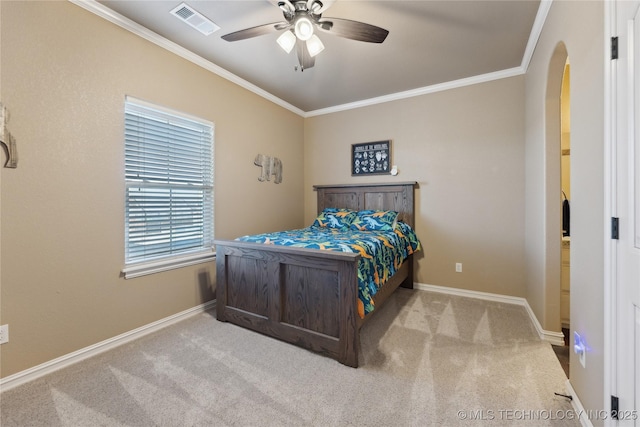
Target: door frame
[
  {"x": 610, "y": 249},
  {"x": 612, "y": 287}
]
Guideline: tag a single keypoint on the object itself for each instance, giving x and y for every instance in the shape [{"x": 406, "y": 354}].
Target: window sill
[{"x": 144, "y": 268}]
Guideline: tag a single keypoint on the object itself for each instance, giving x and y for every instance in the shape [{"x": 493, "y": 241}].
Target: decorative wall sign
[{"x": 371, "y": 158}]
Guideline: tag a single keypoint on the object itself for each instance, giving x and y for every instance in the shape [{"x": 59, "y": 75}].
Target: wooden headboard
[{"x": 397, "y": 196}]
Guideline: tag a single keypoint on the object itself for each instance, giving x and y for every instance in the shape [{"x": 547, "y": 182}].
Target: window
[{"x": 169, "y": 189}]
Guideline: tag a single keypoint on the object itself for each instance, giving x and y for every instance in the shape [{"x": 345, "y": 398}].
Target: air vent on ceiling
[{"x": 198, "y": 21}]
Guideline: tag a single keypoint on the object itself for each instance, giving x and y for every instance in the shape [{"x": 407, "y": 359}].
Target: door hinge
[
  {"x": 614, "y": 47},
  {"x": 615, "y": 230},
  {"x": 614, "y": 407}
]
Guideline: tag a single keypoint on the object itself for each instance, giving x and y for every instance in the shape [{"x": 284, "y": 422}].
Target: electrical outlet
[
  {"x": 4, "y": 334},
  {"x": 458, "y": 267}
]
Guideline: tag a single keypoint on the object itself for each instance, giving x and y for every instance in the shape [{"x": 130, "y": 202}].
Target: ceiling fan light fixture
[
  {"x": 315, "y": 7},
  {"x": 287, "y": 41},
  {"x": 286, "y": 7},
  {"x": 314, "y": 45},
  {"x": 303, "y": 28},
  {"x": 326, "y": 25}
]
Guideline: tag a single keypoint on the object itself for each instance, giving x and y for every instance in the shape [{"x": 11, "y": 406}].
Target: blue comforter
[{"x": 381, "y": 252}]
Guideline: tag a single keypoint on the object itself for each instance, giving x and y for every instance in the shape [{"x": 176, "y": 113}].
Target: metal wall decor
[
  {"x": 270, "y": 166},
  {"x": 371, "y": 158},
  {"x": 7, "y": 140}
]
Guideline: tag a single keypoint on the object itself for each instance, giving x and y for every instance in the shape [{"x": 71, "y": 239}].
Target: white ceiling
[{"x": 430, "y": 44}]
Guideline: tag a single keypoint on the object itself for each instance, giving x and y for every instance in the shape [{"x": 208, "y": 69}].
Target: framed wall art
[{"x": 371, "y": 158}]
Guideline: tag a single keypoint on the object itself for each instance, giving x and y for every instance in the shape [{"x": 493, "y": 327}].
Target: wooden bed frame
[{"x": 308, "y": 297}]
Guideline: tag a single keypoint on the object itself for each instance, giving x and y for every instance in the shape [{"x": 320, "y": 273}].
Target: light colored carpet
[{"x": 428, "y": 359}]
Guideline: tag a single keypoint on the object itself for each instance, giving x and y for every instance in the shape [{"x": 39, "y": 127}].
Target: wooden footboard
[
  {"x": 302, "y": 296},
  {"x": 308, "y": 297}
]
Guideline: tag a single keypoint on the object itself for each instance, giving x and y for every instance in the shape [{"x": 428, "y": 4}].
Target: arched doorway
[{"x": 553, "y": 188}]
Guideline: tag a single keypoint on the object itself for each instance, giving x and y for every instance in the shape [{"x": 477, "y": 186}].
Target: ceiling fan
[{"x": 302, "y": 18}]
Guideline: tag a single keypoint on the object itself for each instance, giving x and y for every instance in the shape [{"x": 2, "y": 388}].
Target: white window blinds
[{"x": 169, "y": 183}]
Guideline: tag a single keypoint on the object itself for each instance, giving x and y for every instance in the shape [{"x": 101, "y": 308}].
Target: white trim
[
  {"x": 137, "y": 29},
  {"x": 137, "y": 102},
  {"x": 46, "y": 368},
  {"x": 104, "y": 12},
  {"x": 536, "y": 30},
  {"x": 610, "y": 250},
  {"x": 420, "y": 91},
  {"x": 577, "y": 407},
  {"x": 142, "y": 269},
  {"x": 554, "y": 338}
]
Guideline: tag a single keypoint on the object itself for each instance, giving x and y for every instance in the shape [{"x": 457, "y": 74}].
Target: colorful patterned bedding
[{"x": 381, "y": 252}]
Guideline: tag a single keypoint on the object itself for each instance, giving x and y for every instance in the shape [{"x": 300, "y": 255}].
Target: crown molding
[
  {"x": 137, "y": 29},
  {"x": 129, "y": 25},
  {"x": 536, "y": 30},
  {"x": 420, "y": 91}
]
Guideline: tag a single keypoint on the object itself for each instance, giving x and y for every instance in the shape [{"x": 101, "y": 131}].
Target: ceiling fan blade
[
  {"x": 353, "y": 30},
  {"x": 304, "y": 58},
  {"x": 260, "y": 30}
]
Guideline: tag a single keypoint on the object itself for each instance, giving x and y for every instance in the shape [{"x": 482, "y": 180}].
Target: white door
[{"x": 626, "y": 206}]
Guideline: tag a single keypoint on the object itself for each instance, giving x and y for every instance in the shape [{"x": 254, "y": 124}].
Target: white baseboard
[
  {"x": 554, "y": 338},
  {"x": 68, "y": 359},
  {"x": 577, "y": 407}
]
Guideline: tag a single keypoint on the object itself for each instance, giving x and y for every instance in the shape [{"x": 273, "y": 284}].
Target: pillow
[
  {"x": 371, "y": 220},
  {"x": 334, "y": 218}
]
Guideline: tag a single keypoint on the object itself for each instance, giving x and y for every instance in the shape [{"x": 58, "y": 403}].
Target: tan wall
[
  {"x": 578, "y": 26},
  {"x": 65, "y": 73},
  {"x": 477, "y": 152},
  {"x": 465, "y": 147}
]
